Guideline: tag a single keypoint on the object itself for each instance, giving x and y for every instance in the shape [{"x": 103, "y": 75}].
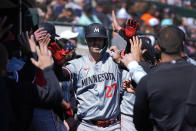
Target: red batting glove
[
  {"x": 131, "y": 28},
  {"x": 57, "y": 53},
  {"x": 54, "y": 47},
  {"x": 68, "y": 110}
]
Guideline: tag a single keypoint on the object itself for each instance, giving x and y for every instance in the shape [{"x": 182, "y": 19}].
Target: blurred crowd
[{"x": 151, "y": 17}]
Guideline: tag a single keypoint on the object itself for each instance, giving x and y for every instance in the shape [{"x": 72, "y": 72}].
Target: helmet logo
[{"x": 96, "y": 29}]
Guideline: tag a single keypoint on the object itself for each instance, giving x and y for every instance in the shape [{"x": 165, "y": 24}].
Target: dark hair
[
  {"x": 170, "y": 41},
  {"x": 149, "y": 55},
  {"x": 182, "y": 34}
]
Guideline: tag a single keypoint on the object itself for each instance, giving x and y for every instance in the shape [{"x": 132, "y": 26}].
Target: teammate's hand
[
  {"x": 58, "y": 54},
  {"x": 114, "y": 53},
  {"x": 31, "y": 42},
  {"x": 127, "y": 58},
  {"x": 136, "y": 47},
  {"x": 67, "y": 108},
  {"x": 40, "y": 34},
  {"x": 116, "y": 27},
  {"x": 66, "y": 125},
  {"x": 44, "y": 57},
  {"x": 128, "y": 87},
  {"x": 24, "y": 39},
  {"x": 45, "y": 41},
  {"x": 131, "y": 28}
]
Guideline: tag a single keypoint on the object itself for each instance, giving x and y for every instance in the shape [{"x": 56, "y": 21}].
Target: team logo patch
[
  {"x": 96, "y": 29},
  {"x": 87, "y": 68}
]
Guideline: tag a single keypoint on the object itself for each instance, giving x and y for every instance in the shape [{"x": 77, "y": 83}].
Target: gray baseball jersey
[
  {"x": 128, "y": 99},
  {"x": 97, "y": 87}
]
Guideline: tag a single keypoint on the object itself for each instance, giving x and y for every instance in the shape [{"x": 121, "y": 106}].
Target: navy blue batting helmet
[{"x": 95, "y": 30}]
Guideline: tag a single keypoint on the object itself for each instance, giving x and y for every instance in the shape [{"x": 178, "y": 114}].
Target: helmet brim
[
  {"x": 95, "y": 36},
  {"x": 57, "y": 35}
]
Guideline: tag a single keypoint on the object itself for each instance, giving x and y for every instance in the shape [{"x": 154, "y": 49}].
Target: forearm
[
  {"x": 51, "y": 94},
  {"x": 61, "y": 73},
  {"x": 122, "y": 34},
  {"x": 136, "y": 71},
  {"x": 66, "y": 74}
]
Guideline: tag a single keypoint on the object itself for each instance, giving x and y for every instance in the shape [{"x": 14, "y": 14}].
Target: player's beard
[{"x": 94, "y": 54}]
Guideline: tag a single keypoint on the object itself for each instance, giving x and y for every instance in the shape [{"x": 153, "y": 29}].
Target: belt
[{"x": 102, "y": 123}]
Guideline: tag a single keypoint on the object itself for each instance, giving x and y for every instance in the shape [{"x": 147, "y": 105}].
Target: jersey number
[{"x": 109, "y": 91}]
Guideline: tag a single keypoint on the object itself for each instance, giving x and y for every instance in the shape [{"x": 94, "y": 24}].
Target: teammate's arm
[
  {"x": 135, "y": 70},
  {"x": 129, "y": 60},
  {"x": 141, "y": 110},
  {"x": 51, "y": 94},
  {"x": 66, "y": 74}
]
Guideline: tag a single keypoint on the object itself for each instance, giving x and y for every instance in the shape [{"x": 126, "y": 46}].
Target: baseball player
[
  {"x": 127, "y": 99},
  {"x": 96, "y": 82}
]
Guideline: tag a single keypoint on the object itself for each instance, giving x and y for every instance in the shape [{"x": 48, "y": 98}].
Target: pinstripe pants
[{"x": 127, "y": 123}]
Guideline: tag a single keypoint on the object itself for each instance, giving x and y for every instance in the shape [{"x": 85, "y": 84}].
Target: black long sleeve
[
  {"x": 25, "y": 96},
  {"x": 64, "y": 73},
  {"x": 141, "y": 110},
  {"x": 51, "y": 94}
]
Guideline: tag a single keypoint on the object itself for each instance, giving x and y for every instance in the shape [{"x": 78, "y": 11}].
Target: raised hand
[
  {"x": 31, "y": 42},
  {"x": 131, "y": 28},
  {"x": 27, "y": 43},
  {"x": 116, "y": 27},
  {"x": 136, "y": 47},
  {"x": 44, "y": 56},
  {"x": 45, "y": 41},
  {"x": 128, "y": 87},
  {"x": 59, "y": 54},
  {"x": 3, "y": 29},
  {"x": 40, "y": 34}
]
